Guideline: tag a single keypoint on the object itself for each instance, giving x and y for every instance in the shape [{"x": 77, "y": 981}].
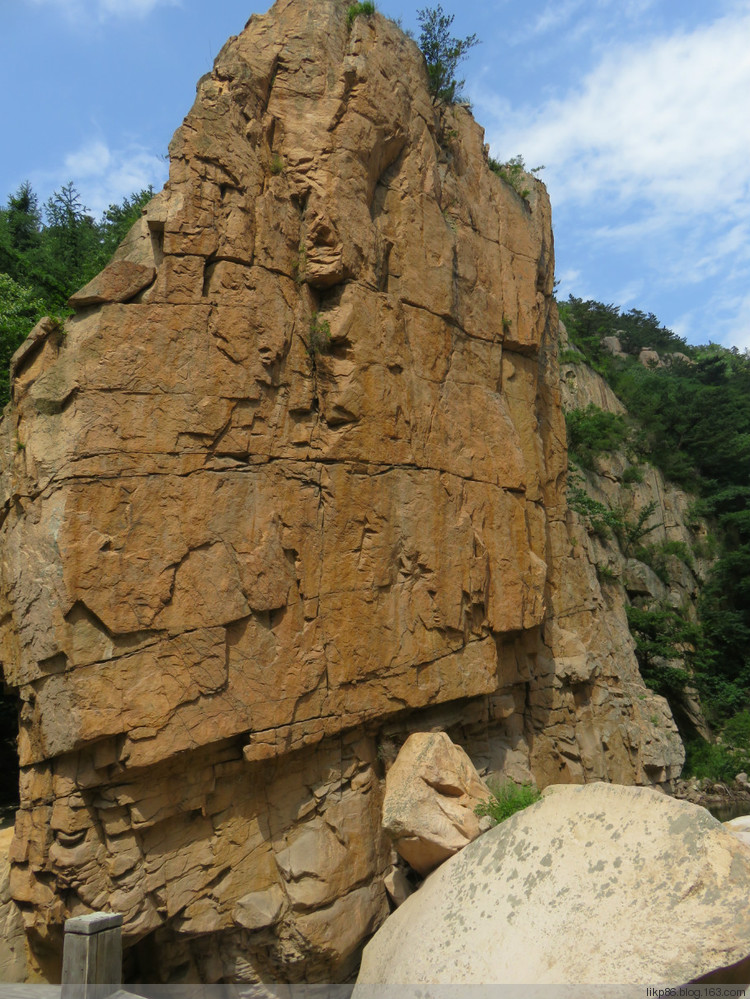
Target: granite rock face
[{"x": 289, "y": 485}]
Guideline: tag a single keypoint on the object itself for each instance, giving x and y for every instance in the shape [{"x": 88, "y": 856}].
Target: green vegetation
[
  {"x": 277, "y": 165},
  {"x": 605, "y": 522},
  {"x": 320, "y": 336},
  {"x": 571, "y": 357},
  {"x": 593, "y": 431},
  {"x": 694, "y": 418},
  {"x": 632, "y": 474},
  {"x": 20, "y": 310},
  {"x": 506, "y": 800},
  {"x": 598, "y": 518},
  {"x": 47, "y": 254},
  {"x": 515, "y": 173},
  {"x": 664, "y": 646},
  {"x": 658, "y": 556},
  {"x": 442, "y": 54},
  {"x": 724, "y": 759},
  {"x": 357, "y": 9}
]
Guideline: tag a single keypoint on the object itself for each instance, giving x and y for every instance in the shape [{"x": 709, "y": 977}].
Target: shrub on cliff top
[
  {"x": 356, "y": 9},
  {"x": 515, "y": 173},
  {"x": 442, "y": 53}
]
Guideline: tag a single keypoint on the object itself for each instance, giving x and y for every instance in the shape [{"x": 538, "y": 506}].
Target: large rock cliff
[{"x": 290, "y": 485}]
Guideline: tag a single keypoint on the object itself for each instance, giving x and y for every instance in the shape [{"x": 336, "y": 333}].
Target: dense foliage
[
  {"x": 693, "y": 419},
  {"x": 727, "y": 757},
  {"x": 20, "y": 310},
  {"x": 48, "y": 253},
  {"x": 591, "y": 431}
]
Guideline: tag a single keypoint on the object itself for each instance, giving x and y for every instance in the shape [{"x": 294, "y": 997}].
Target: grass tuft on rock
[{"x": 507, "y": 799}]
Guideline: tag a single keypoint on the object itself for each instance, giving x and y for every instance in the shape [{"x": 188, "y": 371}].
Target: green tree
[
  {"x": 45, "y": 257},
  {"x": 442, "y": 53},
  {"x": 19, "y": 311},
  {"x": 592, "y": 431},
  {"x": 117, "y": 221},
  {"x": 20, "y": 232},
  {"x": 71, "y": 245},
  {"x": 663, "y": 639}
]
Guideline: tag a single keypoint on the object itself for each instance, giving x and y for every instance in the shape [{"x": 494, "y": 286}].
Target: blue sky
[{"x": 636, "y": 108}]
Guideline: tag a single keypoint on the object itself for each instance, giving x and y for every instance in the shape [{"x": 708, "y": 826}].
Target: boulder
[
  {"x": 397, "y": 885},
  {"x": 431, "y": 792},
  {"x": 740, "y": 827},
  {"x": 595, "y": 883},
  {"x": 650, "y": 358},
  {"x": 118, "y": 282},
  {"x": 613, "y": 346}
]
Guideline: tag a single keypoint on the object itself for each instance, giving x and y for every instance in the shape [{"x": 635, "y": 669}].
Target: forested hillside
[{"x": 689, "y": 414}]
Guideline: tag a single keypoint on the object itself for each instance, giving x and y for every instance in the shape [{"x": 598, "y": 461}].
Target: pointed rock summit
[{"x": 292, "y": 476}]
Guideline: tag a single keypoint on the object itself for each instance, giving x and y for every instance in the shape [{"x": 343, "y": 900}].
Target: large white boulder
[
  {"x": 593, "y": 884},
  {"x": 431, "y": 792}
]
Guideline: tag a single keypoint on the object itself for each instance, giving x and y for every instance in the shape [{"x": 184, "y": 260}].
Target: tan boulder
[
  {"x": 649, "y": 358},
  {"x": 740, "y": 827},
  {"x": 118, "y": 282},
  {"x": 594, "y": 884},
  {"x": 431, "y": 792},
  {"x": 397, "y": 885},
  {"x": 613, "y": 346}
]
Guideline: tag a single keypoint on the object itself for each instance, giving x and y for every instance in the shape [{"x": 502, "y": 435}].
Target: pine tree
[{"x": 443, "y": 53}]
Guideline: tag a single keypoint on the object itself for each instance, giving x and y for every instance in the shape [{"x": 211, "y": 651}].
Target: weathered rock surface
[
  {"x": 12, "y": 936},
  {"x": 431, "y": 792},
  {"x": 594, "y": 884},
  {"x": 118, "y": 282},
  {"x": 740, "y": 827},
  {"x": 232, "y": 563}
]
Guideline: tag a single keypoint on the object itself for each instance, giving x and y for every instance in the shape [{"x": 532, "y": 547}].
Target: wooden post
[{"x": 92, "y": 956}]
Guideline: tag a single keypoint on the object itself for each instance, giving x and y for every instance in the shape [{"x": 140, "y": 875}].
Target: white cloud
[
  {"x": 648, "y": 162},
  {"x": 90, "y": 161},
  {"x": 131, "y": 8},
  {"x": 554, "y": 15},
  {"x": 82, "y": 10},
  {"x": 568, "y": 282},
  {"x": 663, "y": 121},
  {"x": 578, "y": 19},
  {"x": 105, "y": 176}
]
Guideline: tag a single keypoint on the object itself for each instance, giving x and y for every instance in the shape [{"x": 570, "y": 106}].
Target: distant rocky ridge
[
  {"x": 626, "y": 578},
  {"x": 290, "y": 486}
]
